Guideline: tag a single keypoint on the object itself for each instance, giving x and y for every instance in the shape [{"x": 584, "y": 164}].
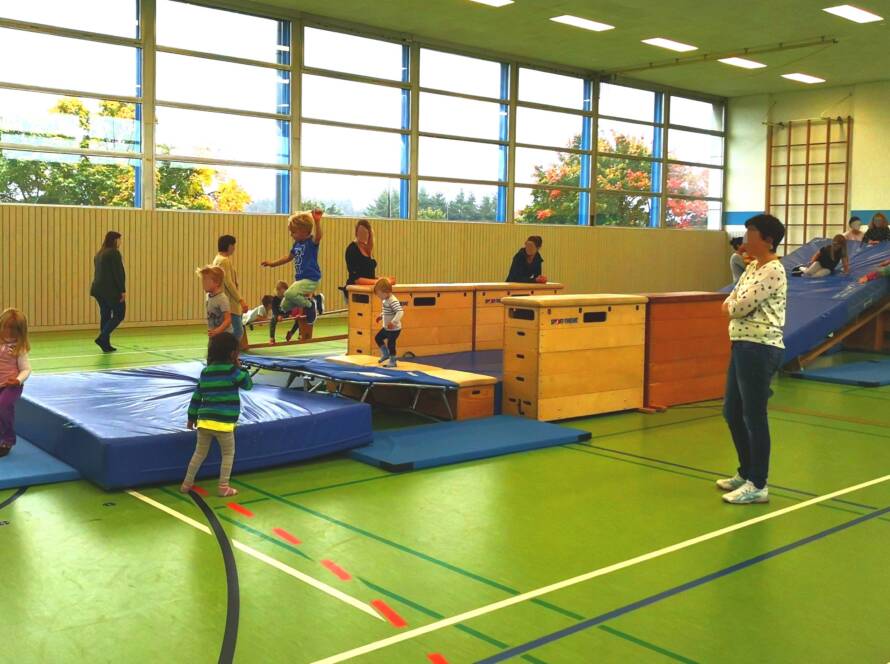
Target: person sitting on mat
[
  {"x": 14, "y": 371},
  {"x": 391, "y": 317},
  {"x": 237, "y": 305},
  {"x": 219, "y": 317},
  {"x": 855, "y": 233},
  {"x": 882, "y": 271},
  {"x": 737, "y": 262},
  {"x": 260, "y": 313},
  {"x": 215, "y": 408},
  {"x": 877, "y": 230},
  {"x": 361, "y": 267},
  {"x": 527, "y": 263},
  {"x": 827, "y": 258}
]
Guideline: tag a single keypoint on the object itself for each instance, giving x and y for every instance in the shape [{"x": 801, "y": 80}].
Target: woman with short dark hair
[
  {"x": 109, "y": 288},
  {"x": 527, "y": 263}
]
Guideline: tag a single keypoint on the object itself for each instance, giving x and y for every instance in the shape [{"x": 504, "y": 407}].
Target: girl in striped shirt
[{"x": 392, "y": 322}]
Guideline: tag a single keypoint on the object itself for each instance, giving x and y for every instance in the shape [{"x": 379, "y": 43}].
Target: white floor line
[
  {"x": 262, "y": 557},
  {"x": 524, "y": 597},
  {"x": 149, "y": 351}
]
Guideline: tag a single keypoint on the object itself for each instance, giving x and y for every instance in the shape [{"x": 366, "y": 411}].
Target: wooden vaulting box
[
  {"x": 489, "y": 323},
  {"x": 573, "y": 355}
]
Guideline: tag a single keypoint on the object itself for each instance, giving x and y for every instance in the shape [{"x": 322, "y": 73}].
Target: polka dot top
[{"x": 757, "y": 305}]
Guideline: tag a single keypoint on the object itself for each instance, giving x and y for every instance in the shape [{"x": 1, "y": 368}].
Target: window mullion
[
  {"x": 414, "y": 79},
  {"x": 148, "y": 34}
]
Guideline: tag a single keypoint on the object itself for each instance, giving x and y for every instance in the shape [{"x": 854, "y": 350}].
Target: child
[
  {"x": 14, "y": 371},
  {"x": 392, "y": 322},
  {"x": 827, "y": 258},
  {"x": 883, "y": 271},
  {"x": 260, "y": 313},
  {"x": 215, "y": 408},
  {"x": 279, "y": 314},
  {"x": 737, "y": 262},
  {"x": 307, "y": 273},
  {"x": 855, "y": 233},
  {"x": 237, "y": 305},
  {"x": 219, "y": 317}
]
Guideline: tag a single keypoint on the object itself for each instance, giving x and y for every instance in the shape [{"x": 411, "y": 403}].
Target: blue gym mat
[
  {"x": 27, "y": 465},
  {"x": 452, "y": 442},
  {"x": 871, "y": 373}
]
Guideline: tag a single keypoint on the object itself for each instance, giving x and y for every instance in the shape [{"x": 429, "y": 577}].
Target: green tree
[
  {"x": 385, "y": 206},
  {"x": 328, "y": 208}
]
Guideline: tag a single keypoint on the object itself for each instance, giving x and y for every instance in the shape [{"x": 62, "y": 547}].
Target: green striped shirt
[{"x": 216, "y": 398}]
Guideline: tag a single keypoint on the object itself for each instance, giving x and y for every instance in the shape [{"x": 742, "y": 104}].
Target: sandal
[
  {"x": 227, "y": 492},
  {"x": 185, "y": 488}
]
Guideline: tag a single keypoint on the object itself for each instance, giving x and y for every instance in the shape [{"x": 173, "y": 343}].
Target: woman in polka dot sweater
[{"x": 756, "y": 310}]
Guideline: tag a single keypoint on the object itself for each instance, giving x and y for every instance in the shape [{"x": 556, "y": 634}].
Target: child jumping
[
  {"x": 827, "y": 258},
  {"x": 14, "y": 371},
  {"x": 392, "y": 322},
  {"x": 219, "y": 317},
  {"x": 215, "y": 408}
]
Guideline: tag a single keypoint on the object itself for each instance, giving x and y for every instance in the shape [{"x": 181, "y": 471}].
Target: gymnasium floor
[{"x": 90, "y": 576}]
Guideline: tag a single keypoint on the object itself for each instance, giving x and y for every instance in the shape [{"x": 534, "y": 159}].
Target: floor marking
[
  {"x": 235, "y": 507},
  {"x": 336, "y": 570},
  {"x": 262, "y": 557},
  {"x": 436, "y": 658},
  {"x": 394, "y": 618},
  {"x": 286, "y": 536},
  {"x": 201, "y": 491},
  {"x": 602, "y": 571},
  {"x": 15, "y": 496}
]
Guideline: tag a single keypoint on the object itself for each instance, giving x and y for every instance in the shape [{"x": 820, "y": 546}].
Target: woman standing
[
  {"x": 361, "y": 267},
  {"x": 109, "y": 289},
  {"x": 756, "y": 310},
  {"x": 527, "y": 263}
]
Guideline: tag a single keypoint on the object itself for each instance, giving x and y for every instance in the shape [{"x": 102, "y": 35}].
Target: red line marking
[
  {"x": 241, "y": 510},
  {"x": 387, "y": 612},
  {"x": 200, "y": 491},
  {"x": 286, "y": 536},
  {"x": 436, "y": 658},
  {"x": 337, "y": 570}
]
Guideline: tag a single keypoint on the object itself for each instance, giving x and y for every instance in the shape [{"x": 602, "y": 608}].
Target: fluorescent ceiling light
[
  {"x": 494, "y": 3},
  {"x": 854, "y": 14},
  {"x": 578, "y": 22},
  {"x": 742, "y": 62},
  {"x": 803, "y": 78},
  {"x": 670, "y": 44}
]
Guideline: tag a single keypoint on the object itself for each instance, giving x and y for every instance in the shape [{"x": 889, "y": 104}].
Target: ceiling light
[
  {"x": 742, "y": 62},
  {"x": 854, "y": 14},
  {"x": 578, "y": 22},
  {"x": 803, "y": 78},
  {"x": 494, "y": 3},
  {"x": 670, "y": 44}
]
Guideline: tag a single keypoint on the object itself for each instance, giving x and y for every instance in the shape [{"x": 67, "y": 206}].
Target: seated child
[
  {"x": 883, "y": 271},
  {"x": 737, "y": 263},
  {"x": 392, "y": 322},
  {"x": 215, "y": 408},
  {"x": 827, "y": 258},
  {"x": 260, "y": 313},
  {"x": 14, "y": 371},
  {"x": 279, "y": 314},
  {"x": 855, "y": 233},
  {"x": 219, "y": 317}
]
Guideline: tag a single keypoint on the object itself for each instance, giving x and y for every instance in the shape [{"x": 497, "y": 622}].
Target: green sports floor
[{"x": 619, "y": 550}]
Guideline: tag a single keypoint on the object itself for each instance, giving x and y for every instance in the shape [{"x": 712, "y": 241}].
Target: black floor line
[{"x": 14, "y": 497}]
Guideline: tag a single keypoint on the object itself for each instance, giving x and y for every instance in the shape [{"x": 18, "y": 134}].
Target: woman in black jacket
[
  {"x": 527, "y": 263},
  {"x": 109, "y": 288},
  {"x": 360, "y": 264},
  {"x": 877, "y": 230}
]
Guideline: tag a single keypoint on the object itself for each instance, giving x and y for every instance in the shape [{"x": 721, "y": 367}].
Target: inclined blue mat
[
  {"x": 452, "y": 442},
  {"x": 27, "y": 465},
  {"x": 342, "y": 371},
  {"x": 485, "y": 362},
  {"x": 127, "y": 428},
  {"x": 871, "y": 373}
]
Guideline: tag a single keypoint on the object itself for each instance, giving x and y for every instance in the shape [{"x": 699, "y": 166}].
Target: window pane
[
  {"x": 195, "y": 28},
  {"x": 627, "y": 138},
  {"x": 184, "y": 186},
  {"x": 682, "y": 213},
  {"x": 192, "y": 80},
  {"x": 56, "y": 179},
  {"x": 694, "y": 181},
  {"x": 351, "y": 149},
  {"x": 461, "y": 159},
  {"x": 110, "y": 17},
  {"x": 546, "y": 206},
  {"x": 351, "y": 195},
  {"x": 623, "y": 102},
  {"x": 617, "y": 210},
  {"x": 690, "y": 146},
  {"x": 553, "y": 89},
  {"x": 457, "y": 202},
  {"x": 354, "y": 55},
  {"x": 232, "y": 137},
  {"x": 622, "y": 174},
  {"x": 347, "y": 101},
  {"x": 440, "y": 114},
  {"x": 459, "y": 73},
  {"x": 33, "y": 118},
  {"x": 694, "y": 113},
  {"x": 546, "y": 167},
  {"x": 72, "y": 64},
  {"x": 561, "y": 130}
]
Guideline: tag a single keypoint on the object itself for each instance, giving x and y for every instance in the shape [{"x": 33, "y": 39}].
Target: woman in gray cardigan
[{"x": 109, "y": 288}]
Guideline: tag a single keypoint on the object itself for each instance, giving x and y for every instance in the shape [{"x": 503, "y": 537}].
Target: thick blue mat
[
  {"x": 871, "y": 373},
  {"x": 127, "y": 428},
  {"x": 28, "y": 465},
  {"x": 452, "y": 442}
]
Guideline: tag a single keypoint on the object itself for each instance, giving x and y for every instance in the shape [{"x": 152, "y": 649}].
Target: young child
[
  {"x": 307, "y": 273},
  {"x": 237, "y": 305},
  {"x": 260, "y": 313},
  {"x": 219, "y": 317},
  {"x": 215, "y": 408},
  {"x": 855, "y": 233},
  {"x": 882, "y": 271},
  {"x": 737, "y": 262},
  {"x": 392, "y": 322},
  {"x": 279, "y": 314},
  {"x": 14, "y": 371},
  {"x": 827, "y": 258}
]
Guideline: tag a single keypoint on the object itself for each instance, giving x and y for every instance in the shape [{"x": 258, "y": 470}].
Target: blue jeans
[
  {"x": 111, "y": 314},
  {"x": 237, "y": 326},
  {"x": 751, "y": 368}
]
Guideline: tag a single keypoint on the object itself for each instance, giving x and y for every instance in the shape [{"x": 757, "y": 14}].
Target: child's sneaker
[
  {"x": 5, "y": 450},
  {"x": 391, "y": 364},
  {"x": 319, "y": 303},
  {"x": 747, "y": 494},
  {"x": 384, "y": 355},
  {"x": 731, "y": 483},
  {"x": 311, "y": 313},
  {"x": 272, "y": 341}
]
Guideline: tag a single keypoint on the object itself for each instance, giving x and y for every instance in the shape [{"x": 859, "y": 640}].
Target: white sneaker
[
  {"x": 747, "y": 494},
  {"x": 732, "y": 483}
]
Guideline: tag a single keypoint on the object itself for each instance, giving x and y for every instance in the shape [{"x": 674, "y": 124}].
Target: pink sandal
[
  {"x": 227, "y": 492},
  {"x": 185, "y": 488}
]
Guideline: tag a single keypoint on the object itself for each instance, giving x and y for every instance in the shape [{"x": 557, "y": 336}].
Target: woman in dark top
[
  {"x": 527, "y": 263},
  {"x": 360, "y": 264},
  {"x": 828, "y": 257},
  {"x": 109, "y": 288},
  {"x": 877, "y": 230}
]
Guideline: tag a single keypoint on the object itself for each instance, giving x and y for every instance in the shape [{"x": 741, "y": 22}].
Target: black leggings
[{"x": 389, "y": 336}]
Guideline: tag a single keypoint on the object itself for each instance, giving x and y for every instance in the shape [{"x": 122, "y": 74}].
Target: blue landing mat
[
  {"x": 28, "y": 465},
  {"x": 871, "y": 373},
  {"x": 452, "y": 442}
]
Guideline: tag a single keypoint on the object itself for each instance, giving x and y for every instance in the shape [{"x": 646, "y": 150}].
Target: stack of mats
[
  {"x": 28, "y": 465},
  {"x": 871, "y": 373}
]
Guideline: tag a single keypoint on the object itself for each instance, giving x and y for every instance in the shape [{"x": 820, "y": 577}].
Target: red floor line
[
  {"x": 200, "y": 491},
  {"x": 240, "y": 509},
  {"x": 436, "y": 658},
  {"x": 286, "y": 536},
  {"x": 387, "y": 612},
  {"x": 337, "y": 570}
]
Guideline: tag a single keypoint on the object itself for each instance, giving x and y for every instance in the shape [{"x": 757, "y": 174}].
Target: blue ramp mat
[
  {"x": 871, "y": 373},
  {"x": 452, "y": 442},
  {"x": 27, "y": 465}
]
